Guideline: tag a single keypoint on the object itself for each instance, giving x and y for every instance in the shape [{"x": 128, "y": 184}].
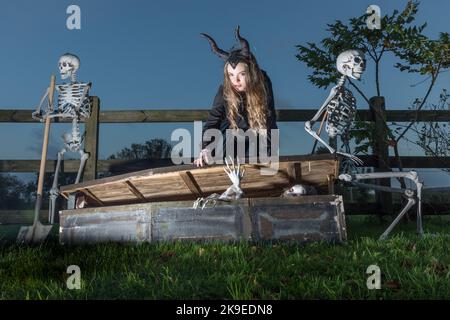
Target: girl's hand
[{"x": 203, "y": 158}]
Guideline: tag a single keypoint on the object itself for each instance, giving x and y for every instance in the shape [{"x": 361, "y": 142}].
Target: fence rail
[
  {"x": 283, "y": 115},
  {"x": 22, "y": 166}
]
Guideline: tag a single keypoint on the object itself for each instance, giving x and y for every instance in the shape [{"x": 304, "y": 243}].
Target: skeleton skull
[
  {"x": 299, "y": 190},
  {"x": 68, "y": 65},
  {"x": 351, "y": 63}
]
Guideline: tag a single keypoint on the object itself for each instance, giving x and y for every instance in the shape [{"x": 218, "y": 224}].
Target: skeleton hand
[
  {"x": 205, "y": 155},
  {"x": 235, "y": 174},
  {"x": 37, "y": 115},
  {"x": 203, "y": 202},
  {"x": 353, "y": 158}
]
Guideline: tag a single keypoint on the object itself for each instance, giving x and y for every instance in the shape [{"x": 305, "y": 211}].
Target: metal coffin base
[{"x": 302, "y": 219}]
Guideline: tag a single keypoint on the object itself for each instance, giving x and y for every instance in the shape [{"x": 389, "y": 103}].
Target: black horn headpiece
[{"x": 234, "y": 56}]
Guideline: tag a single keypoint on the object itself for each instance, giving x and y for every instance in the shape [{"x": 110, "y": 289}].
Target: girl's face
[{"x": 238, "y": 76}]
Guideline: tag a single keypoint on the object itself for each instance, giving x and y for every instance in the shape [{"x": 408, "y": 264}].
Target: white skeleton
[
  {"x": 233, "y": 192},
  {"x": 74, "y": 103},
  {"x": 339, "y": 108},
  {"x": 413, "y": 196}
]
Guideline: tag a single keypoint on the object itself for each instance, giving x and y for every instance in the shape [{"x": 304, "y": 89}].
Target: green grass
[{"x": 411, "y": 267}]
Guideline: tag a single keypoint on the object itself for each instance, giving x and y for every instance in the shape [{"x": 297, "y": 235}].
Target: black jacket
[{"x": 217, "y": 118}]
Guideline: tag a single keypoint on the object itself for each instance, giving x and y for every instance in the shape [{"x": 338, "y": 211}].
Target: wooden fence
[{"x": 377, "y": 113}]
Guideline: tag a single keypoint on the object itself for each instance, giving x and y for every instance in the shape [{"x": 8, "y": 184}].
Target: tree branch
[
  {"x": 359, "y": 91},
  {"x": 433, "y": 80}
]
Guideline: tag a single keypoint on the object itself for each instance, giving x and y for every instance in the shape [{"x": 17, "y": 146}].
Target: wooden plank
[
  {"x": 191, "y": 183},
  {"x": 299, "y": 114},
  {"x": 24, "y": 116},
  {"x": 166, "y": 182},
  {"x": 373, "y": 209},
  {"x": 135, "y": 191},
  {"x": 294, "y": 172},
  {"x": 331, "y": 178},
  {"x": 24, "y": 217},
  {"x": 20, "y": 165},
  {"x": 91, "y": 141},
  {"x": 150, "y": 116},
  {"x": 90, "y": 195}
]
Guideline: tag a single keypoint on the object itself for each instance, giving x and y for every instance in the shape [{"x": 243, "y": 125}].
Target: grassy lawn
[{"x": 411, "y": 267}]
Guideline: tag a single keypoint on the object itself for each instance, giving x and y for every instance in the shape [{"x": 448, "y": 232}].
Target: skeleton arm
[
  {"x": 37, "y": 115},
  {"x": 310, "y": 123}
]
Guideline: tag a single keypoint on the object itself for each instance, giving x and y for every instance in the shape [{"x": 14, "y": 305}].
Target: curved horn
[
  {"x": 244, "y": 43},
  {"x": 221, "y": 53}
]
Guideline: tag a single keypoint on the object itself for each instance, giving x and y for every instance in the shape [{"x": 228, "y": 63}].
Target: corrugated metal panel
[
  {"x": 221, "y": 223},
  {"x": 309, "y": 218}
]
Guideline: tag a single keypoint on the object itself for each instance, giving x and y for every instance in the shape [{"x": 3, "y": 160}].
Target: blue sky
[{"x": 149, "y": 55}]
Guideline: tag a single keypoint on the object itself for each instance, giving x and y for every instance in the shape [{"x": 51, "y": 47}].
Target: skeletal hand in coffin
[
  {"x": 233, "y": 192},
  {"x": 236, "y": 175}
]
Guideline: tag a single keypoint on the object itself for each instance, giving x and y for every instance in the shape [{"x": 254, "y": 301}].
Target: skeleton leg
[
  {"x": 412, "y": 175},
  {"x": 405, "y": 209},
  {"x": 84, "y": 157},
  {"x": 54, "y": 192}
]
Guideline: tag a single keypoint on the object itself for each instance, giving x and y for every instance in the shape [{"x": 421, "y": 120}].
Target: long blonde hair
[{"x": 256, "y": 96}]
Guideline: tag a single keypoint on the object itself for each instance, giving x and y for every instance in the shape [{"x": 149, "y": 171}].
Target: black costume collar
[{"x": 234, "y": 56}]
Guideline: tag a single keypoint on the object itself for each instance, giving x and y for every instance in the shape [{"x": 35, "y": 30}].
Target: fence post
[
  {"x": 381, "y": 152},
  {"x": 91, "y": 141}
]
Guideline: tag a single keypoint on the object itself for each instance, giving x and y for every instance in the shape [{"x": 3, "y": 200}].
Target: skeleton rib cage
[
  {"x": 341, "y": 112},
  {"x": 69, "y": 97}
]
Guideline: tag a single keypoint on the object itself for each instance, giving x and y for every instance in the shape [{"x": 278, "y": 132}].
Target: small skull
[
  {"x": 351, "y": 63},
  {"x": 68, "y": 65},
  {"x": 299, "y": 190}
]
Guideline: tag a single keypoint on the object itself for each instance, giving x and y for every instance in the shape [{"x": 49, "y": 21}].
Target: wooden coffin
[
  {"x": 186, "y": 182},
  {"x": 301, "y": 219}
]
